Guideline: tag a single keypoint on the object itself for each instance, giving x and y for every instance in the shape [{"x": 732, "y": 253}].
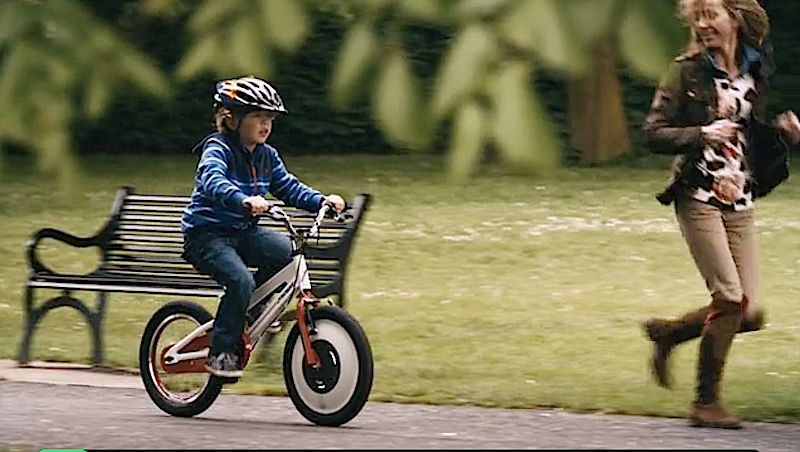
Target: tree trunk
[{"x": 596, "y": 114}]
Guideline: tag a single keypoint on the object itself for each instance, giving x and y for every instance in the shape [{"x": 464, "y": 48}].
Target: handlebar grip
[{"x": 276, "y": 212}]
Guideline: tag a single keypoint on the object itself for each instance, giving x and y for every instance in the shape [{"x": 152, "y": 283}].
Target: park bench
[{"x": 141, "y": 245}]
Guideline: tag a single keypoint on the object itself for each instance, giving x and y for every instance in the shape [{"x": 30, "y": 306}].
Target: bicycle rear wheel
[
  {"x": 186, "y": 393},
  {"x": 336, "y": 392}
]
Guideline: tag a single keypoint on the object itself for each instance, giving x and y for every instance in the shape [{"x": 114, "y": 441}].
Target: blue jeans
[{"x": 225, "y": 255}]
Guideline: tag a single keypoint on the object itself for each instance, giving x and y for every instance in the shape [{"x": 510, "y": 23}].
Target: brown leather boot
[
  {"x": 712, "y": 415},
  {"x": 723, "y": 323},
  {"x": 754, "y": 324},
  {"x": 668, "y": 333}
]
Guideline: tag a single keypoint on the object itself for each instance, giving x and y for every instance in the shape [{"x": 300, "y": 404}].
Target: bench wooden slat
[
  {"x": 125, "y": 249},
  {"x": 150, "y": 228},
  {"x": 134, "y": 220},
  {"x": 151, "y": 218},
  {"x": 160, "y": 198},
  {"x": 138, "y": 283},
  {"x": 121, "y": 249},
  {"x": 147, "y": 263},
  {"x": 154, "y": 208},
  {"x": 326, "y": 229},
  {"x": 172, "y": 263},
  {"x": 331, "y": 230},
  {"x": 105, "y": 287},
  {"x": 150, "y": 238},
  {"x": 178, "y": 239}
]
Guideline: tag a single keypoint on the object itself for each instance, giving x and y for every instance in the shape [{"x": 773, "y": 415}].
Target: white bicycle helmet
[{"x": 249, "y": 93}]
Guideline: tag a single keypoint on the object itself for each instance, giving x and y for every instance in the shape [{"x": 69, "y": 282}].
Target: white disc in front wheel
[{"x": 328, "y": 389}]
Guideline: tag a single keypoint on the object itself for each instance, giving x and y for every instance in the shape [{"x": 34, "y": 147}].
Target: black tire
[
  {"x": 204, "y": 387},
  {"x": 337, "y": 392}
]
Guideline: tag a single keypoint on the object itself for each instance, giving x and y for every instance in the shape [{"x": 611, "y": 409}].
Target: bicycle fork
[{"x": 312, "y": 359}]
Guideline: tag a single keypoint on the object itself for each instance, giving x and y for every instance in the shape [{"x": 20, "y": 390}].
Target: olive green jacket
[{"x": 686, "y": 100}]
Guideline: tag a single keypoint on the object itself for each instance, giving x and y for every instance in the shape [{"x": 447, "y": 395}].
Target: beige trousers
[{"x": 723, "y": 245}]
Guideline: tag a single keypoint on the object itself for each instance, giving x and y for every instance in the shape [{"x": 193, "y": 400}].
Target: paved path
[{"x": 76, "y": 408}]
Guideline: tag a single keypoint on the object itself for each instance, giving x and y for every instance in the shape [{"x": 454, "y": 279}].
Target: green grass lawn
[{"x": 508, "y": 291}]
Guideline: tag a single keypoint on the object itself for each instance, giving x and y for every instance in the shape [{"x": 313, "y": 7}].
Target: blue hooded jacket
[{"x": 227, "y": 174}]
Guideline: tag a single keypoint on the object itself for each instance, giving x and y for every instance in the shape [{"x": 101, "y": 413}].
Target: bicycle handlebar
[
  {"x": 279, "y": 214},
  {"x": 314, "y": 229}
]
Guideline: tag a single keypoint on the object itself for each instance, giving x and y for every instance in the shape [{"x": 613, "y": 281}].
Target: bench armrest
[
  {"x": 48, "y": 233},
  {"x": 100, "y": 239}
]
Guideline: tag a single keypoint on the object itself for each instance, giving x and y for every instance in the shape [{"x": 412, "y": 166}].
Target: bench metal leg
[
  {"x": 96, "y": 320},
  {"x": 31, "y": 318},
  {"x": 34, "y": 315}
]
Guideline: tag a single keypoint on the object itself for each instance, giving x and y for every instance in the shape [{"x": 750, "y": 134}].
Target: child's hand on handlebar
[
  {"x": 256, "y": 204},
  {"x": 336, "y": 201}
]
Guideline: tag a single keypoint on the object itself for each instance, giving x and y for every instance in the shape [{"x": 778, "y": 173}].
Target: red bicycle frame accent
[
  {"x": 198, "y": 364},
  {"x": 247, "y": 347},
  {"x": 312, "y": 359},
  {"x": 188, "y": 366}
]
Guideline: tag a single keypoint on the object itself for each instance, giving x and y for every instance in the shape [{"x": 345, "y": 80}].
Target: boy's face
[{"x": 256, "y": 127}]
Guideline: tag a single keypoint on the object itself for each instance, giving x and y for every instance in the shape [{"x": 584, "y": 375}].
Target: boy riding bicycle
[{"x": 221, "y": 233}]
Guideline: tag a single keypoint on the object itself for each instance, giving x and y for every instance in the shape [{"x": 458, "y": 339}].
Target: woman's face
[
  {"x": 713, "y": 24},
  {"x": 255, "y": 128}
]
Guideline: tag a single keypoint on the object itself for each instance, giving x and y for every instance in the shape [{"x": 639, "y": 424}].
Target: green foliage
[
  {"x": 61, "y": 63},
  {"x": 519, "y": 126},
  {"x": 546, "y": 28},
  {"x": 649, "y": 37},
  {"x": 466, "y": 140},
  {"x": 239, "y": 37},
  {"x": 489, "y": 38},
  {"x": 397, "y": 102},
  {"x": 314, "y": 124},
  {"x": 99, "y": 67},
  {"x": 463, "y": 69},
  {"x": 358, "y": 53}
]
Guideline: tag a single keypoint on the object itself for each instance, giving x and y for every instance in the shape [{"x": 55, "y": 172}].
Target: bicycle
[{"x": 327, "y": 360}]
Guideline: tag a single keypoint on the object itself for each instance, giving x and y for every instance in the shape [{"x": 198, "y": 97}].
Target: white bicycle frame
[{"x": 290, "y": 282}]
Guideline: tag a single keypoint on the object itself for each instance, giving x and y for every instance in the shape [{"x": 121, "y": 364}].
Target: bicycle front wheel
[
  {"x": 191, "y": 390},
  {"x": 336, "y": 392}
]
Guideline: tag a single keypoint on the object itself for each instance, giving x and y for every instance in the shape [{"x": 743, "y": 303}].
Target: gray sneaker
[{"x": 224, "y": 365}]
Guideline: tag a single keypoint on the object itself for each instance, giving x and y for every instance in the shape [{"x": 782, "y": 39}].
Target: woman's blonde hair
[{"x": 748, "y": 14}]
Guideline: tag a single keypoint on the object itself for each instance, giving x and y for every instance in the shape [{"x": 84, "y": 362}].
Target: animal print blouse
[{"x": 731, "y": 184}]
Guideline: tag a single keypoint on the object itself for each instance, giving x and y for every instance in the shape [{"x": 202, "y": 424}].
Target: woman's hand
[
  {"x": 337, "y": 202},
  {"x": 256, "y": 204},
  {"x": 720, "y": 131},
  {"x": 789, "y": 125}
]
